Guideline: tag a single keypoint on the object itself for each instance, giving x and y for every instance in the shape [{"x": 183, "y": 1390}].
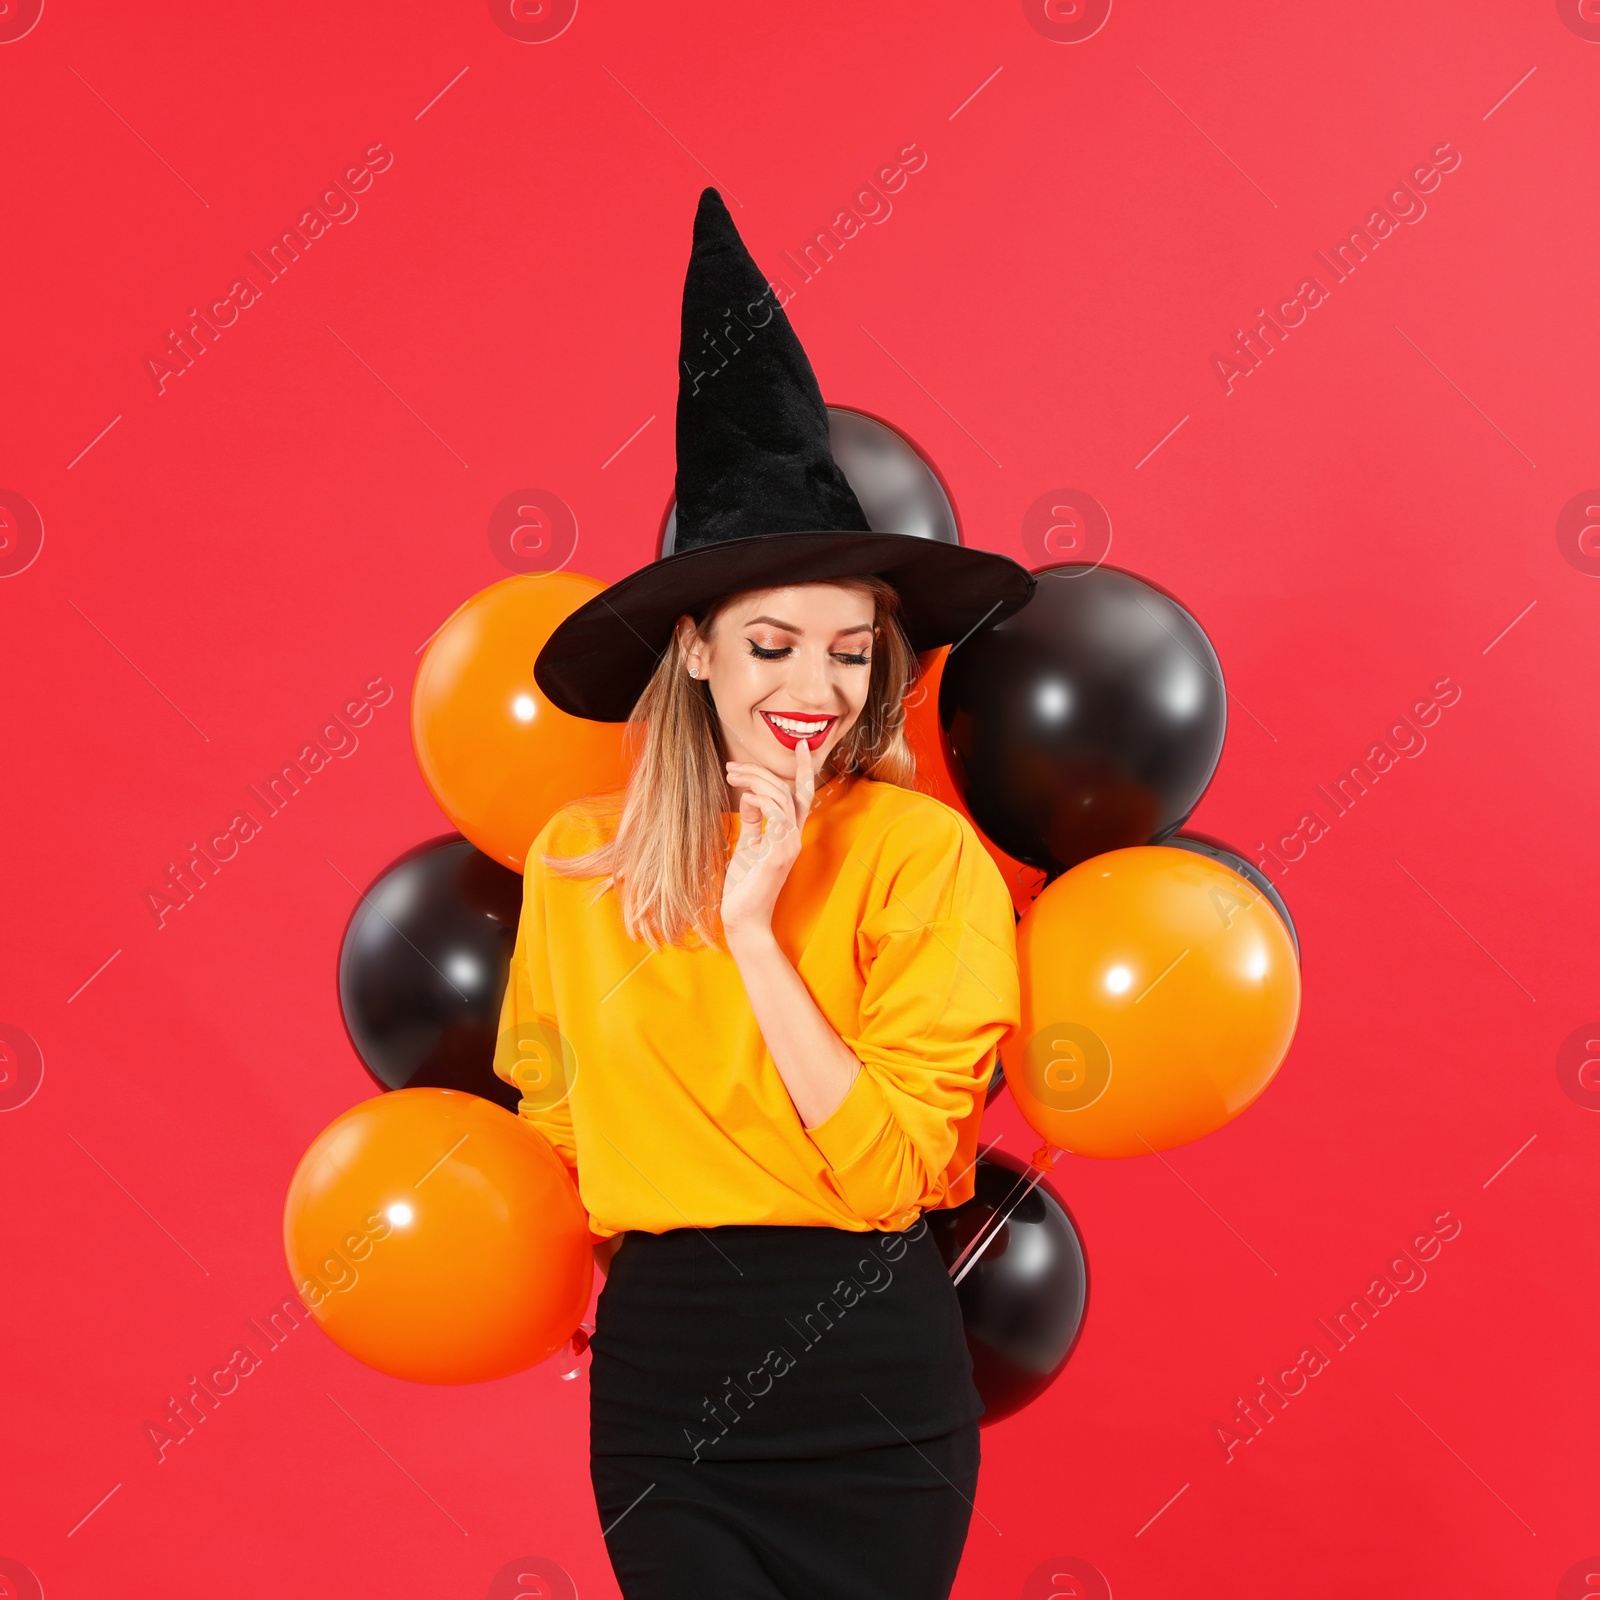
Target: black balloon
[
  {"x": 1022, "y": 1281},
  {"x": 423, "y": 969},
  {"x": 1203, "y": 844},
  {"x": 1090, "y": 720}
]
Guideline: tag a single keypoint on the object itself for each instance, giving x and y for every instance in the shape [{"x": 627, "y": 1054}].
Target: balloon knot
[{"x": 1043, "y": 1158}]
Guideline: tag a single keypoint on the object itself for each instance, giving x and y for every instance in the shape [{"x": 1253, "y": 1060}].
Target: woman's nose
[{"x": 810, "y": 683}]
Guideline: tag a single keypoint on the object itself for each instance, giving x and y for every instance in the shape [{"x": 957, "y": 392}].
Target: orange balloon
[
  {"x": 497, "y": 756},
  {"x": 926, "y": 739},
  {"x": 1160, "y": 993},
  {"x": 436, "y": 1237}
]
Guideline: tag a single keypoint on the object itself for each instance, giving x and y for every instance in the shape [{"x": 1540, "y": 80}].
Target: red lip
[{"x": 791, "y": 741}]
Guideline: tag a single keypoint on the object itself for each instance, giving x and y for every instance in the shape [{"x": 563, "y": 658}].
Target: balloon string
[{"x": 999, "y": 1223}]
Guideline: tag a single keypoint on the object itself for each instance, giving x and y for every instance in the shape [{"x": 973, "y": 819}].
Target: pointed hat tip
[{"x": 711, "y": 212}]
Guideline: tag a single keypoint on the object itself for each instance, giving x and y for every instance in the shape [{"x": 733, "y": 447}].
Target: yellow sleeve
[
  {"x": 941, "y": 992},
  {"x": 530, "y": 1052}
]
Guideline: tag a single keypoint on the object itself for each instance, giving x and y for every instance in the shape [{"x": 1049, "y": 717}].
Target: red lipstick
[{"x": 791, "y": 741}]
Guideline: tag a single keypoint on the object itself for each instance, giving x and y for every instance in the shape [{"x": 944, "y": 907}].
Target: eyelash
[{"x": 860, "y": 660}]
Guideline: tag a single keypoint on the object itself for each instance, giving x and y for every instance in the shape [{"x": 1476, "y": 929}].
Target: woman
[{"x": 775, "y": 977}]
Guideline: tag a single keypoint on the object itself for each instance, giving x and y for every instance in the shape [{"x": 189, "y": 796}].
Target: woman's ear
[{"x": 683, "y": 640}]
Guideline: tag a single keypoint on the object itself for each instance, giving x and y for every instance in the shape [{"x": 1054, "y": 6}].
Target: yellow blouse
[{"x": 648, "y": 1074}]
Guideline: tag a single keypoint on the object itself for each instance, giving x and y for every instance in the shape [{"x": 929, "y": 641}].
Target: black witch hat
[{"x": 761, "y": 501}]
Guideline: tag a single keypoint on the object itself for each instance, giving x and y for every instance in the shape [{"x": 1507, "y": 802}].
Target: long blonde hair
[{"x": 669, "y": 850}]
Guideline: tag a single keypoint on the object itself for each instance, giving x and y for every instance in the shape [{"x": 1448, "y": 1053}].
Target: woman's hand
[
  {"x": 770, "y": 820},
  {"x": 604, "y": 1251}
]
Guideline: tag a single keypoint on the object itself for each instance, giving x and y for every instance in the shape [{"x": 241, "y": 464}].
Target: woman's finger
[
  {"x": 758, "y": 777},
  {"x": 755, "y": 778},
  {"x": 805, "y": 779},
  {"x": 753, "y": 842},
  {"x": 754, "y": 809}
]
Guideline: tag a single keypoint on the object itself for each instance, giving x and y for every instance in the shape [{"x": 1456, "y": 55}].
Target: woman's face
[{"x": 801, "y": 654}]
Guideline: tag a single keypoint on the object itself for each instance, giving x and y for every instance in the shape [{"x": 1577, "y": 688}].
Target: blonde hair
[{"x": 669, "y": 850}]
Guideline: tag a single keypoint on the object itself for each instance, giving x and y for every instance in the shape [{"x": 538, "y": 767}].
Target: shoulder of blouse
[
  {"x": 919, "y": 823},
  {"x": 934, "y": 855},
  {"x": 571, "y": 830}
]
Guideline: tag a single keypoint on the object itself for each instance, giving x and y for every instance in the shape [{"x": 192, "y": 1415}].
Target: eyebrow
[{"x": 789, "y": 627}]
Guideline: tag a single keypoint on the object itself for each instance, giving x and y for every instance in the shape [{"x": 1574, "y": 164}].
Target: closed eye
[{"x": 858, "y": 660}]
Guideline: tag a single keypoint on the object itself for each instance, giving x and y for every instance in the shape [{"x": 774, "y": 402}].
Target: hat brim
[{"x": 598, "y": 660}]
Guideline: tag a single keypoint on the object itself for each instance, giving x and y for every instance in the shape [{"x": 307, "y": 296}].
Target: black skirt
[{"x": 782, "y": 1411}]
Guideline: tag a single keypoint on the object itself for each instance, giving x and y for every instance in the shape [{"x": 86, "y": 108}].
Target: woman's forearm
[{"x": 815, "y": 1064}]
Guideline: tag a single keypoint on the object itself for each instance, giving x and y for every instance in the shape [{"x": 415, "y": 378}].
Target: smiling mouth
[{"x": 811, "y": 730}]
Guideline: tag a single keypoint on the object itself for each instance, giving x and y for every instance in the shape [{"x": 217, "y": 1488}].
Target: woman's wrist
[{"x": 752, "y": 941}]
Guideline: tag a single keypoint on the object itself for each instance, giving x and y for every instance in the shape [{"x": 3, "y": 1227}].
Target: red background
[{"x": 1372, "y": 510}]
